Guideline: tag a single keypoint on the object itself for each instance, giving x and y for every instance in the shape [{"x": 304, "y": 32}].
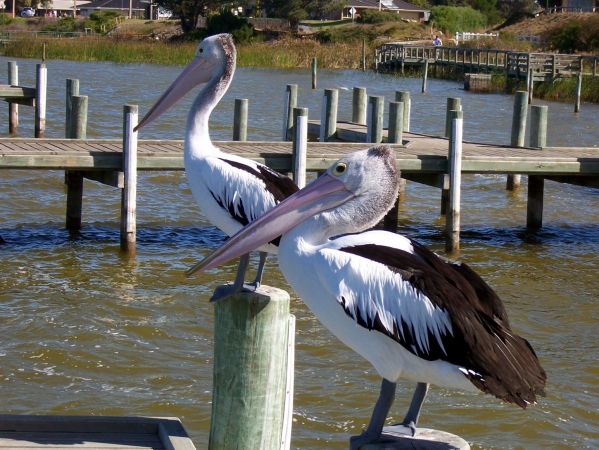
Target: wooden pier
[
  {"x": 544, "y": 66},
  {"x": 92, "y": 432}
]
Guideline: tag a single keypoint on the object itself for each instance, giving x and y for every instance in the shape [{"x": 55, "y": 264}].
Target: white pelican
[
  {"x": 230, "y": 191},
  {"x": 410, "y": 313}
]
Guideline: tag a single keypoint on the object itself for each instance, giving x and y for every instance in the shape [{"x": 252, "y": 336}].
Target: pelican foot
[
  {"x": 355, "y": 442},
  {"x": 406, "y": 427},
  {"x": 227, "y": 290}
]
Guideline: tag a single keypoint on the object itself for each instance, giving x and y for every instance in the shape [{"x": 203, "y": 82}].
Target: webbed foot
[
  {"x": 355, "y": 442},
  {"x": 227, "y": 290}
]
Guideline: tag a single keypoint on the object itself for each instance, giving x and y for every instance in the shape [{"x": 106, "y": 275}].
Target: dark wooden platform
[{"x": 91, "y": 432}]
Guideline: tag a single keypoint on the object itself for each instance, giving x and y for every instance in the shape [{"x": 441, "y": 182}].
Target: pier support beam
[
  {"x": 359, "y": 101},
  {"x": 41, "y": 86},
  {"x": 251, "y": 362},
  {"x": 290, "y": 103},
  {"x": 299, "y": 150},
  {"x": 314, "y": 73},
  {"x": 452, "y": 219},
  {"x": 13, "y": 108},
  {"x": 518, "y": 131},
  {"x": 424, "y": 75},
  {"x": 395, "y": 136},
  {"x": 129, "y": 193},
  {"x": 404, "y": 97},
  {"x": 77, "y": 129},
  {"x": 536, "y": 184},
  {"x": 374, "y": 124},
  {"x": 328, "y": 115},
  {"x": 578, "y": 91},
  {"x": 240, "y": 119}
]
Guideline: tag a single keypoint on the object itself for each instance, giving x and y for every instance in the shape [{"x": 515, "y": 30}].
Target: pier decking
[
  {"x": 419, "y": 153},
  {"x": 92, "y": 432}
]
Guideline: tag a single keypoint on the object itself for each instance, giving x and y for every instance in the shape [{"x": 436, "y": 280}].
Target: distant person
[{"x": 437, "y": 41}]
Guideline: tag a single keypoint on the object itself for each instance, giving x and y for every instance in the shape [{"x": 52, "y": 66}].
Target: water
[{"x": 87, "y": 330}]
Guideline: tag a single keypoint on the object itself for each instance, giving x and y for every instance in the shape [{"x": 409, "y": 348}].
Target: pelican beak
[
  {"x": 324, "y": 193},
  {"x": 198, "y": 71}
]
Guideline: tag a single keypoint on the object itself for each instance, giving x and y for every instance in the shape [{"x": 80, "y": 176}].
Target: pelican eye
[
  {"x": 200, "y": 50},
  {"x": 339, "y": 169}
]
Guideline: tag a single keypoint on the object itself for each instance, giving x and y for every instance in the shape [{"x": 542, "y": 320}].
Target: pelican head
[
  {"x": 353, "y": 195},
  {"x": 214, "y": 60}
]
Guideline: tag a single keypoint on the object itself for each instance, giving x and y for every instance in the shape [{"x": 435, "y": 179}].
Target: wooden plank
[{"x": 16, "y": 92}]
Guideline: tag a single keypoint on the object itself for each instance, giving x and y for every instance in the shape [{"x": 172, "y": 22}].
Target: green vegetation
[
  {"x": 374, "y": 16},
  {"x": 453, "y": 19},
  {"x": 576, "y": 36},
  {"x": 565, "y": 89}
]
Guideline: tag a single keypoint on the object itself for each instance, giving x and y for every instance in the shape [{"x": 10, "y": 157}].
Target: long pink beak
[
  {"x": 324, "y": 193},
  {"x": 198, "y": 71}
]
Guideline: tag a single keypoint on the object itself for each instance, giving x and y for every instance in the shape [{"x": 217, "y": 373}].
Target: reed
[
  {"x": 565, "y": 89},
  {"x": 286, "y": 53}
]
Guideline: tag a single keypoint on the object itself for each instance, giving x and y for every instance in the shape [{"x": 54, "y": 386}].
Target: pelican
[
  {"x": 410, "y": 313},
  {"x": 230, "y": 191}
]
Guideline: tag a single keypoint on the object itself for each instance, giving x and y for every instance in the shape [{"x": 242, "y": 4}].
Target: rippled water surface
[{"x": 87, "y": 330}]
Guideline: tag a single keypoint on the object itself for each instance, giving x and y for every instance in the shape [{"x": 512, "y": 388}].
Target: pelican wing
[{"x": 427, "y": 305}]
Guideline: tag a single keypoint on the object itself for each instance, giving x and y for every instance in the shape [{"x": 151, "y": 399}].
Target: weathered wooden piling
[
  {"x": 13, "y": 108},
  {"x": 251, "y": 333},
  {"x": 129, "y": 192},
  {"x": 395, "y": 136},
  {"x": 328, "y": 115},
  {"x": 290, "y": 103},
  {"x": 536, "y": 183},
  {"x": 395, "y": 132},
  {"x": 314, "y": 73},
  {"x": 374, "y": 119},
  {"x": 77, "y": 129},
  {"x": 452, "y": 218},
  {"x": 299, "y": 150},
  {"x": 363, "y": 54},
  {"x": 72, "y": 89},
  {"x": 530, "y": 85},
  {"x": 578, "y": 91},
  {"x": 41, "y": 85},
  {"x": 404, "y": 97},
  {"x": 453, "y": 104},
  {"x": 359, "y": 101},
  {"x": 424, "y": 75},
  {"x": 518, "y": 132},
  {"x": 240, "y": 119}
]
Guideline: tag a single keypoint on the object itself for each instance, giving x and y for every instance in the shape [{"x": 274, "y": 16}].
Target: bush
[
  {"x": 462, "y": 18},
  {"x": 65, "y": 24},
  {"x": 102, "y": 21},
  {"x": 227, "y": 22},
  {"x": 581, "y": 35},
  {"x": 370, "y": 16}
]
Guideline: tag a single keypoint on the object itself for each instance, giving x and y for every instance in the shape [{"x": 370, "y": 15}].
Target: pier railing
[{"x": 395, "y": 56}]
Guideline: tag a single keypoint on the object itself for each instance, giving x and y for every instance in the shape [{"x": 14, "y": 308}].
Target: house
[
  {"x": 573, "y": 5},
  {"x": 406, "y": 10},
  {"x": 138, "y": 7},
  {"x": 62, "y": 8}
]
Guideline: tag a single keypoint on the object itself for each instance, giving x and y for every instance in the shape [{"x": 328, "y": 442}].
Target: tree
[
  {"x": 297, "y": 10},
  {"x": 189, "y": 10}
]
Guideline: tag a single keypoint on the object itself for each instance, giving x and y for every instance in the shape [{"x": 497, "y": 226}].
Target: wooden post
[
  {"x": 13, "y": 108},
  {"x": 424, "y": 76},
  {"x": 129, "y": 193},
  {"x": 578, "y": 91},
  {"x": 538, "y": 126},
  {"x": 395, "y": 133},
  {"x": 536, "y": 183},
  {"x": 72, "y": 89},
  {"x": 43, "y": 52},
  {"x": 374, "y": 120},
  {"x": 300, "y": 146},
  {"x": 314, "y": 72},
  {"x": 452, "y": 219},
  {"x": 453, "y": 104},
  {"x": 290, "y": 103},
  {"x": 404, "y": 97},
  {"x": 359, "y": 101},
  {"x": 78, "y": 117},
  {"x": 41, "y": 84},
  {"x": 251, "y": 333},
  {"x": 363, "y": 54},
  {"x": 328, "y": 114},
  {"x": 531, "y": 84},
  {"x": 240, "y": 119},
  {"x": 74, "y": 179},
  {"x": 518, "y": 131}
]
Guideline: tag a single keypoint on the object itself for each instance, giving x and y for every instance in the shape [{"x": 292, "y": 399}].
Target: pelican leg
[
  {"x": 379, "y": 415},
  {"x": 411, "y": 419},
  {"x": 227, "y": 290},
  {"x": 258, "y": 280}
]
